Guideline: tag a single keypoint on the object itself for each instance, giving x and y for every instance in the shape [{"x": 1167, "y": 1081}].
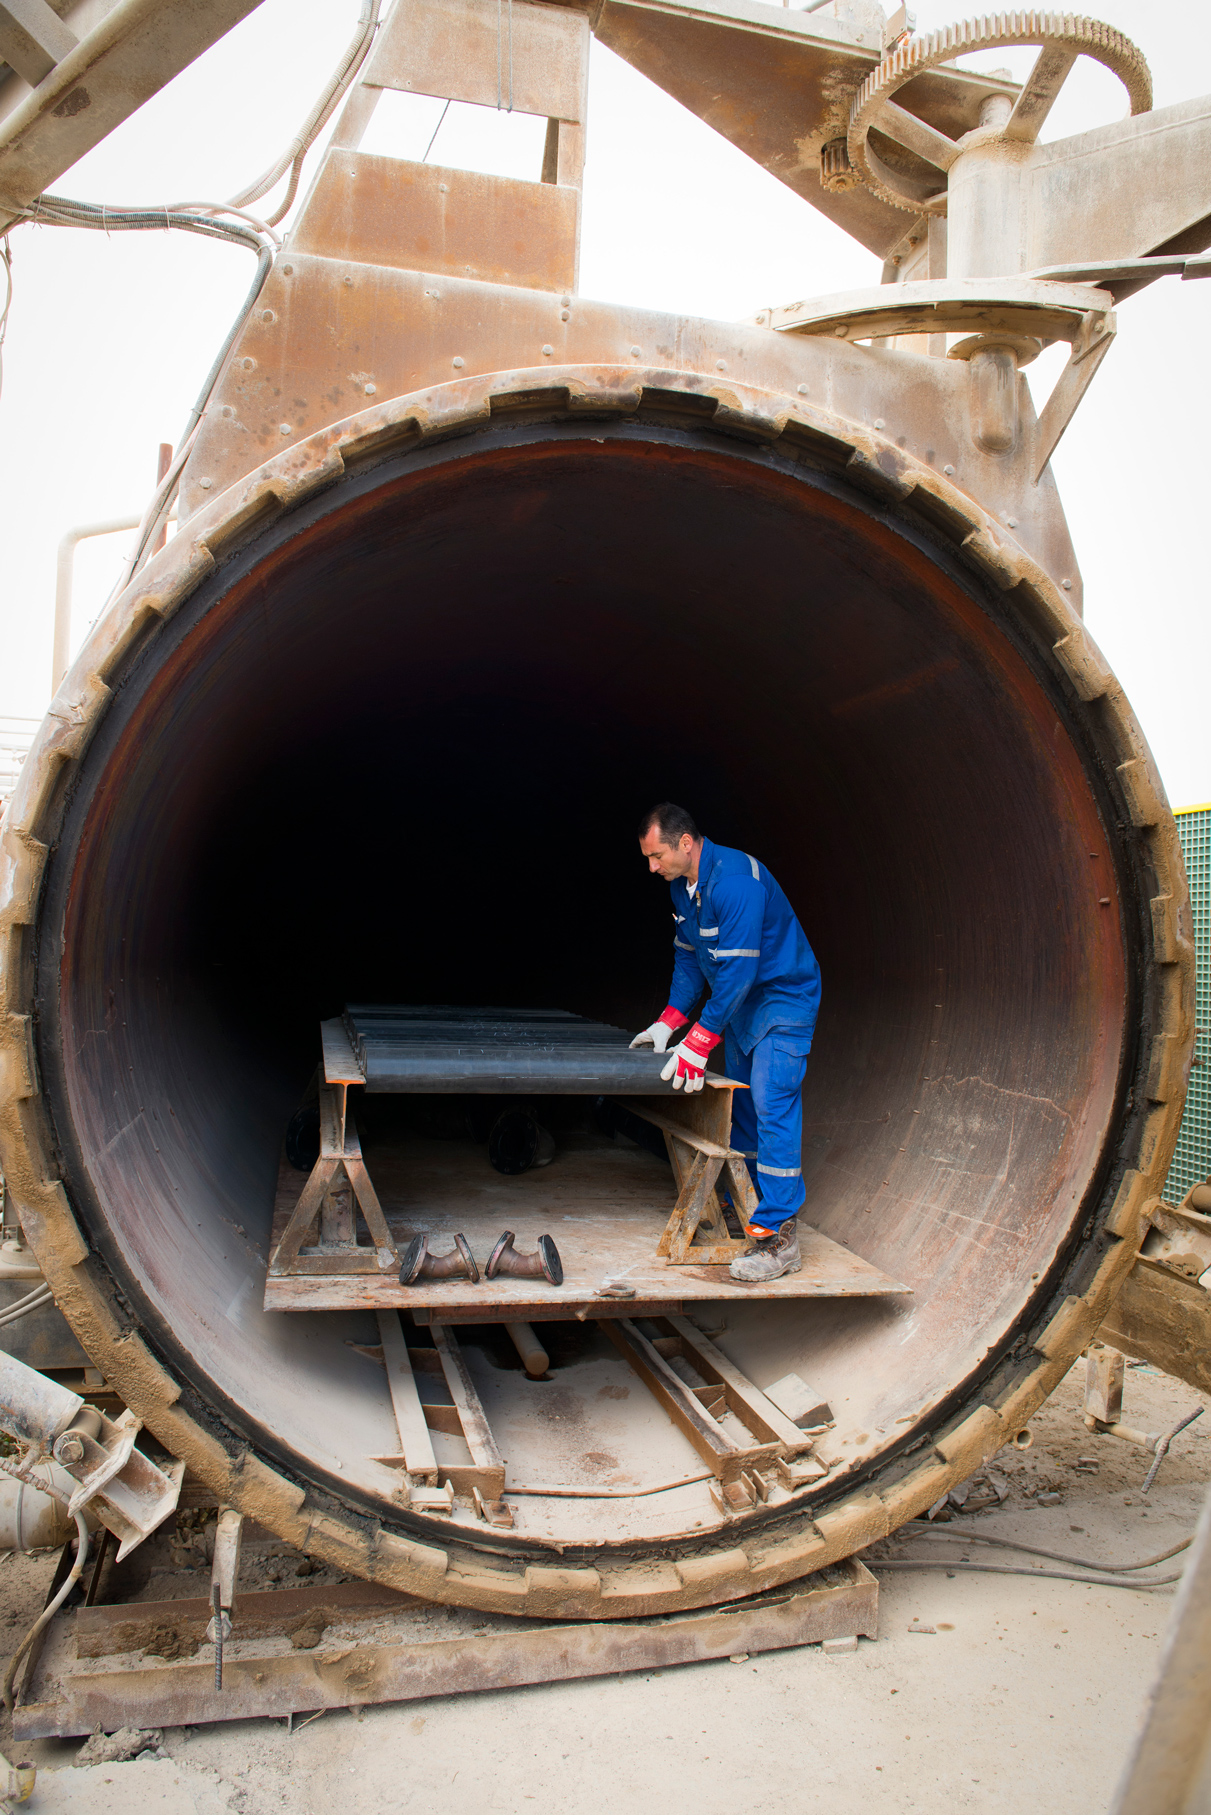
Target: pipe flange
[
  {"x": 1061, "y": 38},
  {"x": 418, "y": 1264},
  {"x": 544, "y": 1263}
]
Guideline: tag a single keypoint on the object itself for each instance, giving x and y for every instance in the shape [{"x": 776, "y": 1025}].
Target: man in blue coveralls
[{"x": 735, "y": 932}]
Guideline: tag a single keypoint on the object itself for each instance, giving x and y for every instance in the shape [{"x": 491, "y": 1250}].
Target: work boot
[{"x": 770, "y": 1257}]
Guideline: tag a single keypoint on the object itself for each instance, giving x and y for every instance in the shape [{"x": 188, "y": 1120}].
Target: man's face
[{"x": 667, "y": 860}]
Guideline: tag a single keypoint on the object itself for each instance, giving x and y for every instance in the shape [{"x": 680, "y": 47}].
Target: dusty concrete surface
[{"x": 1026, "y": 1695}]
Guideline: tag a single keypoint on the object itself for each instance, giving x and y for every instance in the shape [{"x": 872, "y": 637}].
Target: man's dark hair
[{"x": 673, "y": 823}]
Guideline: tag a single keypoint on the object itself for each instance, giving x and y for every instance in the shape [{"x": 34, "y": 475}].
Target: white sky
[{"x": 109, "y": 339}]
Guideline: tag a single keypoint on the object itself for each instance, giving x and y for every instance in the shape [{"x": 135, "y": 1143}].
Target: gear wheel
[{"x": 1062, "y": 37}]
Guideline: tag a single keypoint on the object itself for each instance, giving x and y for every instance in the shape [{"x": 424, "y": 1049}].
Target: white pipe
[
  {"x": 64, "y": 573},
  {"x": 31, "y": 1519},
  {"x": 534, "y": 1357}
]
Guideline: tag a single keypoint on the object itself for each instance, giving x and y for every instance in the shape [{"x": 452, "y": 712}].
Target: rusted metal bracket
[
  {"x": 416, "y": 1446},
  {"x": 276, "y": 1684},
  {"x": 338, "y": 1178},
  {"x": 1179, "y": 1238},
  {"x": 129, "y": 1493},
  {"x": 699, "y": 1387},
  {"x": 487, "y": 1471},
  {"x": 1104, "y": 1373},
  {"x": 431, "y": 1486},
  {"x": 1090, "y": 346}
]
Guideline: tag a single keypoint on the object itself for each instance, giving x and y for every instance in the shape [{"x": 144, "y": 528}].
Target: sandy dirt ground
[{"x": 1025, "y": 1695}]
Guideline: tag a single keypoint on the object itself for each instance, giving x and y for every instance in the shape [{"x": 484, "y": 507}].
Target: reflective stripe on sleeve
[
  {"x": 708, "y": 932},
  {"x": 781, "y": 1171},
  {"x": 738, "y": 952},
  {"x": 682, "y": 946},
  {"x": 756, "y": 871}
]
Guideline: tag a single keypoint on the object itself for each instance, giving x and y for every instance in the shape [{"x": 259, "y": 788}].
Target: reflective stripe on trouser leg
[{"x": 769, "y": 1117}]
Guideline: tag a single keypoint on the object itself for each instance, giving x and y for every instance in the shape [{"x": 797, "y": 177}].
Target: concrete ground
[{"x": 1026, "y": 1694}]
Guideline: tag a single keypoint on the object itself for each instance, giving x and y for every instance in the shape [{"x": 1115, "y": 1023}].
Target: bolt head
[
  {"x": 721, "y": 365},
  {"x": 284, "y": 428},
  {"x": 268, "y": 315},
  {"x": 458, "y": 365},
  {"x": 548, "y": 350},
  {"x": 69, "y": 1448},
  {"x": 635, "y": 352},
  {"x": 1067, "y": 585},
  {"x": 879, "y": 423},
  {"x": 287, "y": 270},
  {"x": 371, "y": 390},
  {"x": 949, "y": 471},
  {"x": 205, "y": 484},
  {"x": 1012, "y": 522},
  {"x": 803, "y": 390}
]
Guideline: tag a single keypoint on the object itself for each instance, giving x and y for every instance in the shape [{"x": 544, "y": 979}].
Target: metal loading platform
[
  {"x": 632, "y": 1239},
  {"x": 606, "y": 1234}
]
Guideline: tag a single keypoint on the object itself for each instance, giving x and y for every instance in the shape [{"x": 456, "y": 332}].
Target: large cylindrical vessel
[{"x": 376, "y": 725}]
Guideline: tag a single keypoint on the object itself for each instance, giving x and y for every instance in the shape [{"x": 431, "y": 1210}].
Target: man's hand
[
  {"x": 687, "y": 1062},
  {"x": 661, "y": 1032}
]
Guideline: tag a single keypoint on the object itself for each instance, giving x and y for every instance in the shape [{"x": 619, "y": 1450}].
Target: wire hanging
[{"x": 436, "y": 130}]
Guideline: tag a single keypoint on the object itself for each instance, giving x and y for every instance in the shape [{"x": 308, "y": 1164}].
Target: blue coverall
[{"x": 737, "y": 934}]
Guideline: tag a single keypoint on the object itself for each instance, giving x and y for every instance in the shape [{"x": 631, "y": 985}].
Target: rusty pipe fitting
[
  {"x": 544, "y": 1263},
  {"x": 419, "y": 1264}
]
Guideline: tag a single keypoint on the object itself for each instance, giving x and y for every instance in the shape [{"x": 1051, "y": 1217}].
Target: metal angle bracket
[
  {"x": 130, "y": 1494},
  {"x": 1089, "y": 348}
]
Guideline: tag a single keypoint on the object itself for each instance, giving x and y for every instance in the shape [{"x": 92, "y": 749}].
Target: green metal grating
[{"x": 1192, "y": 1155}]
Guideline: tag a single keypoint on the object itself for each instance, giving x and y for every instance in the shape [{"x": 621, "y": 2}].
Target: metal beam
[
  {"x": 33, "y": 38},
  {"x": 916, "y": 135},
  {"x": 268, "y": 1685},
  {"x": 778, "y": 84},
  {"x": 101, "y": 81},
  {"x": 1039, "y": 92},
  {"x": 1123, "y": 190}
]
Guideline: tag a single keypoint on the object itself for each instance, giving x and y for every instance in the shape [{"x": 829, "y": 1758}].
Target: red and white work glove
[
  {"x": 687, "y": 1062},
  {"x": 661, "y": 1032}
]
